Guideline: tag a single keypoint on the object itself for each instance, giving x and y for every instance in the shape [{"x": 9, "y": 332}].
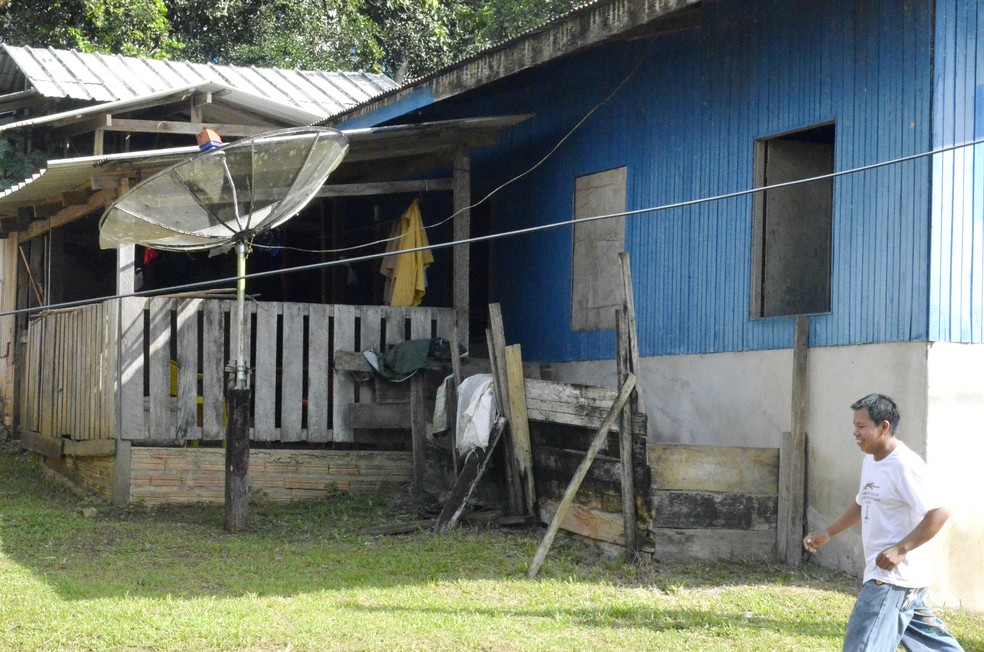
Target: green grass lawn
[{"x": 304, "y": 578}]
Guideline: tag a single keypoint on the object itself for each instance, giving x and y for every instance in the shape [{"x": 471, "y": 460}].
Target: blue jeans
[{"x": 885, "y": 616}]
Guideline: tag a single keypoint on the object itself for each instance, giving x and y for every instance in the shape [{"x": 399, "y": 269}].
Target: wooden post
[
  {"x": 452, "y": 400},
  {"x": 127, "y": 318},
  {"x": 792, "y": 457},
  {"x": 476, "y": 461},
  {"x": 628, "y": 357},
  {"x": 419, "y": 329},
  {"x": 497, "y": 358},
  {"x": 237, "y": 460},
  {"x": 582, "y": 470},
  {"x": 462, "y": 231},
  {"x": 520, "y": 426},
  {"x": 622, "y": 363}
]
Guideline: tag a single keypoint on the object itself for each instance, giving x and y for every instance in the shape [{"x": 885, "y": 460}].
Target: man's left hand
[{"x": 889, "y": 558}]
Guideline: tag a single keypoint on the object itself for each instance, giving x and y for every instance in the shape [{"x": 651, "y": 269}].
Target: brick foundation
[{"x": 190, "y": 475}]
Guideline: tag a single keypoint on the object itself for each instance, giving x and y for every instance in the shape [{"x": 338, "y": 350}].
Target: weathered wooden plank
[
  {"x": 714, "y": 468},
  {"x": 213, "y": 370},
  {"x": 583, "y": 406},
  {"x": 383, "y": 188},
  {"x": 319, "y": 373},
  {"x": 496, "y": 337},
  {"x": 265, "y": 387},
  {"x": 792, "y": 455},
  {"x": 370, "y": 331},
  {"x": 292, "y": 397},
  {"x": 43, "y": 444},
  {"x": 382, "y": 416},
  {"x": 419, "y": 329},
  {"x": 563, "y": 436},
  {"x": 561, "y": 514},
  {"x": 602, "y": 496},
  {"x": 587, "y": 522},
  {"x": 186, "y": 419},
  {"x": 681, "y": 545},
  {"x": 352, "y": 361},
  {"x": 396, "y": 326},
  {"x": 561, "y": 463},
  {"x": 395, "y": 332},
  {"x": 701, "y": 509},
  {"x": 343, "y": 390},
  {"x": 159, "y": 361},
  {"x": 791, "y": 498},
  {"x": 462, "y": 231},
  {"x": 106, "y": 345},
  {"x": 624, "y": 365},
  {"x": 237, "y": 461},
  {"x": 472, "y": 470},
  {"x": 520, "y": 426},
  {"x": 131, "y": 369},
  {"x": 89, "y": 448},
  {"x": 90, "y": 390}
]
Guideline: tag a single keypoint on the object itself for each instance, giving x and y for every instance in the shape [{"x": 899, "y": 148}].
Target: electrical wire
[
  {"x": 563, "y": 139},
  {"x": 505, "y": 234}
]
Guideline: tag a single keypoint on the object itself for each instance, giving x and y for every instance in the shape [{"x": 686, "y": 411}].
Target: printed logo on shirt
[{"x": 869, "y": 495}]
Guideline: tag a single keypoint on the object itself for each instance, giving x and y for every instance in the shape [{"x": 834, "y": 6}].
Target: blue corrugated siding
[
  {"x": 957, "y": 250},
  {"x": 685, "y": 125}
]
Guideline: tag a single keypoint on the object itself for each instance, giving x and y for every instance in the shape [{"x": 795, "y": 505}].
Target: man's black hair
[{"x": 880, "y": 408}]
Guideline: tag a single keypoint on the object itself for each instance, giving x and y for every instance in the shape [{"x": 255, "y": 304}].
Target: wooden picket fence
[{"x": 154, "y": 369}]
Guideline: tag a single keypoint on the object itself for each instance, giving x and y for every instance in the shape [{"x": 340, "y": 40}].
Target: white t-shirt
[{"x": 894, "y": 496}]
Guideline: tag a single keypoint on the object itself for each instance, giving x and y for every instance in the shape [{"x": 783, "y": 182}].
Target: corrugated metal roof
[
  {"x": 222, "y": 95},
  {"x": 62, "y": 175},
  {"x": 101, "y": 78}
]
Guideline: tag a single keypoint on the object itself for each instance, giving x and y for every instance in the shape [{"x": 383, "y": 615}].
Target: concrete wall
[
  {"x": 743, "y": 399},
  {"x": 956, "y": 452}
]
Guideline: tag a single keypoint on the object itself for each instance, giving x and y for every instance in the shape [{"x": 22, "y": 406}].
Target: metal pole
[{"x": 242, "y": 377}]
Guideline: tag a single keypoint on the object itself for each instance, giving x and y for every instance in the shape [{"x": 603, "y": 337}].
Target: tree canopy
[{"x": 402, "y": 38}]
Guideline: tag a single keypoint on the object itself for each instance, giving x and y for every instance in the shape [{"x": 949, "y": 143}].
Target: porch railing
[{"x": 154, "y": 368}]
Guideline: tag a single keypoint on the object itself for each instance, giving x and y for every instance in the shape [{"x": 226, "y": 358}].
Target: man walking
[{"x": 899, "y": 511}]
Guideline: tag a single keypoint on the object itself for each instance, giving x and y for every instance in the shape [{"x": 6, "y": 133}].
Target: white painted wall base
[{"x": 744, "y": 399}]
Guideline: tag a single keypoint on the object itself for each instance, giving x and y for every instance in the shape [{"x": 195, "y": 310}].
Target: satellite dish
[
  {"x": 227, "y": 194},
  {"x": 223, "y": 197}
]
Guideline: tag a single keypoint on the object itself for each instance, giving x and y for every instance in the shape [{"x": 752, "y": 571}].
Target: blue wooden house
[{"x": 669, "y": 112}]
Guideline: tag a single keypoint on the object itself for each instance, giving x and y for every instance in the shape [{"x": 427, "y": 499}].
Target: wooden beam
[
  {"x": 599, "y": 440},
  {"x": 462, "y": 231},
  {"x": 627, "y": 482},
  {"x": 472, "y": 470},
  {"x": 89, "y": 448},
  {"x": 178, "y": 127},
  {"x": 380, "y": 416},
  {"x": 42, "y": 444},
  {"x": 520, "y": 426},
  {"x": 385, "y": 188},
  {"x": 792, "y": 457},
  {"x": 97, "y": 201},
  {"x": 497, "y": 357}
]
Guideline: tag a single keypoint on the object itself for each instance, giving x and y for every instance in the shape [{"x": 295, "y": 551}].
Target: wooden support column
[
  {"x": 237, "y": 460},
  {"x": 627, "y": 362},
  {"x": 127, "y": 317},
  {"x": 419, "y": 329},
  {"x": 792, "y": 457},
  {"x": 497, "y": 358},
  {"x": 462, "y": 231},
  {"x": 9, "y": 349}
]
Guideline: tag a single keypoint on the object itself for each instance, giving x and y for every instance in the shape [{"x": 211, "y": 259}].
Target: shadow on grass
[{"x": 292, "y": 549}]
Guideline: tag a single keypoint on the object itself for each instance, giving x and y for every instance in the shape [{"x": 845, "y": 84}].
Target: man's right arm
[{"x": 850, "y": 517}]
